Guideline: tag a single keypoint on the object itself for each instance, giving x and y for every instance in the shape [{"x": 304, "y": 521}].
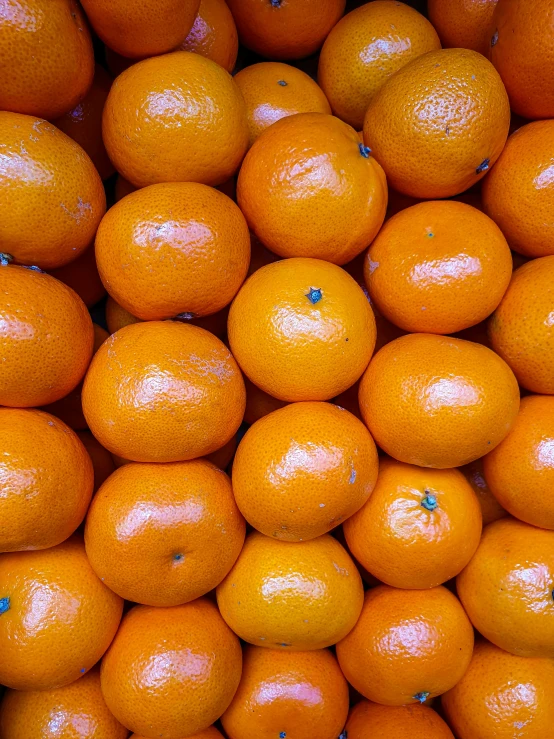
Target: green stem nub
[
  {"x": 365, "y": 151},
  {"x": 5, "y": 259},
  {"x": 315, "y": 295},
  {"x": 429, "y": 502},
  {"x": 4, "y": 605},
  {"x": 422, "y": 697}
]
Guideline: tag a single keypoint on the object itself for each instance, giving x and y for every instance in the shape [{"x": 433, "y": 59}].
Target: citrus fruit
[
  {"x": 214, "y": 34},
  {"x": 117, "y": 317},
  {"x": 122, "y": 187},
  {"x": 463, "y": 23},
  {"x": 102, "y": 460},
  {"x": 372, "y": 721},
  {"x": 210, "y": 733},
  {"x": 259, "y": 403},
  {"x": 82, "y": 276},
  {"x": 223, "y": 456},
  {"x": 491, "y": 510}
]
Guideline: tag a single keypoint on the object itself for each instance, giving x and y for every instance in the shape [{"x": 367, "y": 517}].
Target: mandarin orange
[
  {"x": 259, "y": 403},
  {"x": 491, "y": 510},
  {"x": 463, "y": 23},
  {"x": 214, "y": 34},
  {"x": 102, "y": 461},
  {"x": 372, "y": 721}
]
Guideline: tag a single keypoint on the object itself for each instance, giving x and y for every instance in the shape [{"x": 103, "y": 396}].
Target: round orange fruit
[
  {"x": 82, "y": 276},
  {"x": 491, "y": 510},
  {"x": 102, "y": 461},
  {"x": 117, "y": 317},
  {"x": 214, "y": 34},
  {"x": 463, "y": 24},
  {"x": 372, "y": 721}
]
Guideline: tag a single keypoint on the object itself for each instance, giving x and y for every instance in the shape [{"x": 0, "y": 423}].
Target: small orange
[
  {"x": 293, "y": 595},
  {"x": 521, "y": 329},
  {"x": 223, "y": 456},
  {"x": 463, "y": 24},
  {"x": 279, "y": 29},
  {"x": 273, "y": 90},
  {"x": 172, "y": 248},
  {"x": 259, "y": 403},
  {"x": 365, "y": 48},
  {"x": 491, "y": 510},
  {"x": 102, "y": 461},
  {"x": 429, "y": 149},
  {"x": 301, "y": 470},
  {"x": 301, "y": 329},
  {"x": 407, "y": 646},
  {"x": 294, "y": 695},
  {"x": 56, "y": 618},
  {"x": 171, "y": 672},
  {"x": 372, "y": 721},
  {"x": 117, "y": 317},
  {"x": 506, "y": 589},
  {"x": 419, "y": 528},
  {"x": 214, "y": 34},
  {"x": 326, "y": 197},
  {"x": 438, "y": 267},
  {"x": 502, "y": 696},
  {"x": 51, "y": 196},
  {"x": 82, "y": 276},
  {"x": 46, "y": 337},
  {"x": 173, "y": 118}
]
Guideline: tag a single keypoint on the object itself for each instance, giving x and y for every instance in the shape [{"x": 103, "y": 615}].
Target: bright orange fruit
[
  {"x": 214, "y": 34},
  {"x": 463, "y": 24},
  {"x": 372, "y": 721}
]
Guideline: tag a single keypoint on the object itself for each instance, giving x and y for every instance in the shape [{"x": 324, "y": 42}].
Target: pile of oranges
[{"x": 302, "y": 487}]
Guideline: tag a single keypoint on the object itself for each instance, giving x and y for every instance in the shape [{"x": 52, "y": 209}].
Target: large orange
[
  {"x": 51, "y": 196},
  {"x": 521, "y": 329},
  {"x": 463, "y": 23},
  {"x": 294, "y": 695},
  {"x": 502, "y": 696},
  {"x": 214, "y": 34},
  {"x": 438, "y": 267},
  {"x": 300, "y": 471},
  {"x": 47, "y": 480},
  {"x": 372, "y": 721},
  {"x": 365, "y": 48},
  {"x": 171, "y": 248},
  {"x": 46, "y": 57},
  {"x": 453, "y": 400},
  {"x": 46, "y": 337},
  {"x": 176, "y": 117},
  {"x": 293, "y": 595},
  {"x": 171, "y": 671},
  {"x": 430, "y": 149},
  {"x": 301, "y": 329},
  {"x": 163, "y": 392},
  {"x": 419, "y": 528},
  {"x": 56, "y": 618},
  {"x": 506, "y": 589},
  {"x": 102, "y": 461},
  {"x": 407, "y": 646},
  {"x": 82, "y": 276},
  {"x": 491, "y": 510},
  {"x": 326, "y": 196}
]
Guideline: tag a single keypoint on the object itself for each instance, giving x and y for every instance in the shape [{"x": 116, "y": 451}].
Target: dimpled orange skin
[
  {"x": 171, "y": 671},
  {"x": 46, "y": 338},
  {"x": 438, "y": 267},
  {"x": 301, "y": 470},
  {"x": 365, "y": 48},
  {"x": 46, "y": 56},
  {"x": 454, "y": 400},
  {"x": 209, "y": 733},
  {"x": 326, "y": 196},
  {"x": 371, "y": 721},
  {"x": 273, "y": 90},
  {"x": 52, "y": 197},
  {"x": 491, "y": 510},
  {"x": 419, "y": 528},
  {"x": 301, "y": 329},
  {"x": 429, "y": 149},
  {"x": 521, "y": 329},
  {"x": 102, "y": 461},
  {"x": 46, "y": 477},
  {"x": 296, "y": 596},
  {"x": 57, "y": 618},
  {"x": 259, "y": 403},
  {"x": 519, "y": 192},
  {"x": 463, "y": 24},
  {"x": 82, "y": 276},
  {"x": 295, "y": 695},
  {"x": 174, "y": 118},
  {"x": 163, "y": 392},
  {"x": 214, "y": 34},
  {"x": 171, "y": 248},
  {"x": 407, "y": 646},
  {"x": 77, "y": 711},
  {"x": 502, "y": 695}
]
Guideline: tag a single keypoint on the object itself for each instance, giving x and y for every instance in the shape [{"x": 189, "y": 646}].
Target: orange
[
  {"x": 419, "y": 528},
  {"x": 176, "y": 247},
  {"x": 223, "y": 456},
  {"x": 519, "y": 192},
  {"x": 463, "y": 23},
  {"x": 171, "y": 671},
  {"x": 56, "y": 618},
  {"x": 162, "y": 109},
  {"x": 46, "y": 337},
  {"x": 47, "y": 480},
  {"x": 301, "y": 329},
  {"x": 77, "y": 710},
  {"x": 117, "y": 317},
  {"x": 491, "y": 510},
  {"x": 453, "y": 400},
  {"x": 46, "y": 57},
  {"x": 429, "y": 149},
  {"x": 83, "y": 123},
  {"x": 260, "y": 255},
  {"x": 295, "y": 695},
  {"x": 143, "y": 28},
  {"x": 438, "y": 267},
  {"x": 259, "y": 403},
  {"x": 210, "y": 733},
  {"x": 371, "y": 721},
  {"x": 51, "y": 196},
  {"x": 293, "y": 595},
  {"x": 502, "y": 696},
  {"x": 82, "y": 276},
  {"x": 273, "y": 90},
  {"x": 365, "y": 48},
  {"x": 102, "y": 461},
  {"x": 214, "y": 34},
  {"x": 521, "y": 329},
  {"x": 284, "y": 30},
  {"x": 326, "y": 197},
  {"x": 177, "y": 525},
  {"x": 522, "y": 50},
  {"x": 407, "y": 646},
  {"x": 301, "y": 470},
  {"x": 122, "y": 187}
]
